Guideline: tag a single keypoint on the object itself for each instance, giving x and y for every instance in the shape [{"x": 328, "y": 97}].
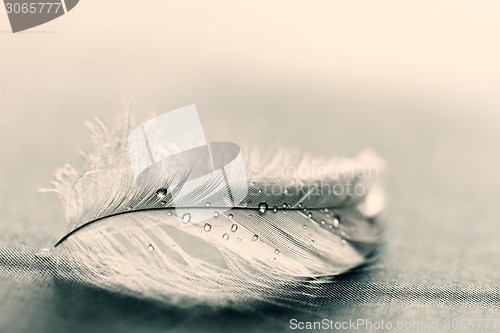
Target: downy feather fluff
[{"x": 127, "y": 239}]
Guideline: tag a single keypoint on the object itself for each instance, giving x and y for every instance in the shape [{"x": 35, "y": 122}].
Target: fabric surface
[{"x": 440, "y": 258}]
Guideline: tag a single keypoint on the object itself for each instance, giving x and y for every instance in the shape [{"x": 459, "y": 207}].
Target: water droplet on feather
[
  {"x": 161, "y": 193},
  {"x": 186, "y": 218}
]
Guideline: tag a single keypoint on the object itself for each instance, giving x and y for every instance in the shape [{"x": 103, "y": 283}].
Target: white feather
[{"x": 123, "y": 238}]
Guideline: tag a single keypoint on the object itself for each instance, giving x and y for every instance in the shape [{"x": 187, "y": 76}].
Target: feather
[{"x": 291, "y": 230}]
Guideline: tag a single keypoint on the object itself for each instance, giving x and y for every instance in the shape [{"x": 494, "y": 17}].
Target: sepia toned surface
[{"x": 418, "y": 84}]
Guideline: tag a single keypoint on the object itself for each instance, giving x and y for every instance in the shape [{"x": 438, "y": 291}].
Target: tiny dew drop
[
  {"x": 285, "y": 205},
  {"x": 277, "y": 251},
  {"x": 309, "y": 215},
  {"x": 207, "y": 227},
  {"x": 225, "y": 236},
  {"x": 263, "y": 207},
  {"x": 208, "y": 203},
  {"x": 234, "y": 227},
  {"x": 163, "y": 202},
  {"x": 305, "y": 226},
  {"x": 186, "y": 218},
  {"x": 254, "y": 238},
  {"x": 249, "y": 215},
  {"x": 322, "y": 221},
  {"x": 230, "y": 216},
  {"x": 326, "y": 210},
  {"x": 216, "y": 214},
  {"x": 260, "y": 191},
  {"x": 129, "y": 208},
  {"x": 275, "y": 209},
  {"x": 312, "y": 241},
  {"x": 330, "y": 226},
  {"x": 161, "y": 193},
  {"x": 239, "y": 239},
  {"x": 151, "y": 248},
  {"x": 169, "y": 213},
  {"x": 335, "y": 223},
  {"x": 344, "y": 242}
]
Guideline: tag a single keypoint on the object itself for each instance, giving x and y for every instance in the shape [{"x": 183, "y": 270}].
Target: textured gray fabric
[{"x": 440, "y": 259}]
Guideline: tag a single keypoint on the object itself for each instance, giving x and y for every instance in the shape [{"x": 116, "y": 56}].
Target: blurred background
[{"x": 417, "y": 82}]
